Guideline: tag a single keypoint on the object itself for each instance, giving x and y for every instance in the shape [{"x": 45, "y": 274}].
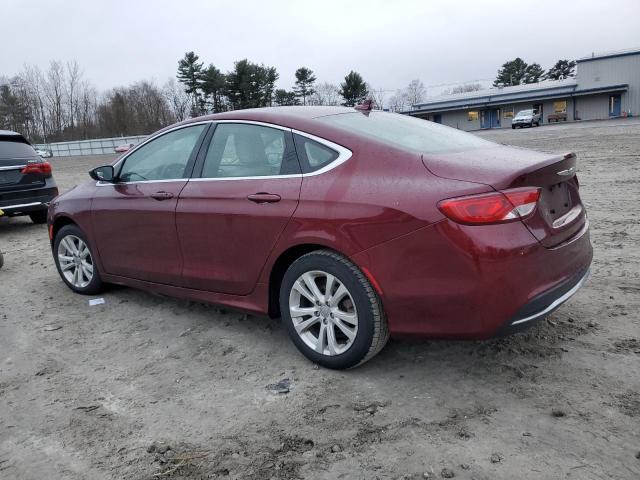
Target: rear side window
[
  {"x": 10, "y": 150},
  {"x": 406, "y": 132},
  {"x": 313, "y": 155}
]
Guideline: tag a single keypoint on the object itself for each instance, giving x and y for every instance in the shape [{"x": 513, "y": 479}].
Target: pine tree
[
  {"x": 353, "y": 89},
  {"x": 190, "y": 74},
  {"x": 561, "y": 70},
  {"x": 305, "y": 80},
  {"x": 250, "y": 85},
  {"x": 512, "y": 73},
  {"x": 283, "y": 98},
  {"x": 13, "y": 112},
  {"x": 212, "y": 84},
  {"x": 534, "y": 73}
]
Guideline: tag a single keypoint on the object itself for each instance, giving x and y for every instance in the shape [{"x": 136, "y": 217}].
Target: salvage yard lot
[{"x": 103, "y": 391}]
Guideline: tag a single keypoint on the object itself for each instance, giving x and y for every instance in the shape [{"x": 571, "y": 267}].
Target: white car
[
  {"x": 44, "y": 153},
  {"x": 526, "y": 117}
]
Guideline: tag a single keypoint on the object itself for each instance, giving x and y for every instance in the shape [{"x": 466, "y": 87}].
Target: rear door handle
[
  {"x": 264, "y": 197},
  {"x": 162, "y": 195}
]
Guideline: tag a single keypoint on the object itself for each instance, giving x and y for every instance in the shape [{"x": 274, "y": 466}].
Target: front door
[
  {"x": 134, "y": 218},
  {"x": 615, "y": 103},
  {"x": 230, "y": 218}
]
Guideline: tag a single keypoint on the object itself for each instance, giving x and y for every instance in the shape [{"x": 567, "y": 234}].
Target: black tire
[
  {"x": 95, "y": 285},
  {"x": 513, "y": 127},
  {"x": 38, "y": 217},
  {"x": 372, "y": 331}
]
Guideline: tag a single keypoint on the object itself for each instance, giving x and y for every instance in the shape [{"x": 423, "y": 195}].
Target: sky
[{"x": 390, "y": 43}]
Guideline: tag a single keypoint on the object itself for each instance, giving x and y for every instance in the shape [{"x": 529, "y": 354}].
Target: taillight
[
  {"x": 42, "y": 168},
  {"x": 488, "y": 208}
]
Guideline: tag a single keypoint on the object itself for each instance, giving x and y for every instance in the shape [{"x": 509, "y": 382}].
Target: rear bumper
[
  {"x": 544, "y": 304},
  {"x": 27, "y": 201},
  {"x": 473, "y": 282}
]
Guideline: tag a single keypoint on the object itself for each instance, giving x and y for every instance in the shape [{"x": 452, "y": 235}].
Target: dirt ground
[{"x": 144, "y": 387}]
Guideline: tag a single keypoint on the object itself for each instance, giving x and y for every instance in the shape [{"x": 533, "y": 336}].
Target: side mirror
[{"x": 103, "y": 174}]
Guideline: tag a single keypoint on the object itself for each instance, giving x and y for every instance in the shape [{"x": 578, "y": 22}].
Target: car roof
[{"x": 301, "y": 118}]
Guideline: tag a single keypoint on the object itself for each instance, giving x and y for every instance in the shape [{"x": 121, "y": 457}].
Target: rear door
[
  {"x": 134, "y": 218},
  {"x": 230, "y": 218}
]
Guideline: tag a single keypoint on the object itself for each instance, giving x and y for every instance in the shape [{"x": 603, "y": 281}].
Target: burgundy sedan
[{"x": 349, "y": 225}]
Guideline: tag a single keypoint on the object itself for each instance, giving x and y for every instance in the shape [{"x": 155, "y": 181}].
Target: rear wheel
[
  {"x": 38, "y": 217},
  {"x": 74, "y": 260},
  {"x": 331, "y": 311}
]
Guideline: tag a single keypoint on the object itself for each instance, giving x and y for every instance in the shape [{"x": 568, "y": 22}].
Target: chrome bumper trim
[
  {"x": 23, "y": 205},
  {"x": 556, "y": 303}
]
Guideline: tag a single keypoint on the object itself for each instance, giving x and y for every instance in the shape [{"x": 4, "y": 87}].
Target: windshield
[
  {"x": 15, "y": 149},
  {"x": 524, "y": 113},
  {"x": 407, "y": 132}
]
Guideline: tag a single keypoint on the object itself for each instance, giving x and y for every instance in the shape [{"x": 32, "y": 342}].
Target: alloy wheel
[
  {"x": 323, "y": 312},
  {"x": 76, "y": 263}
]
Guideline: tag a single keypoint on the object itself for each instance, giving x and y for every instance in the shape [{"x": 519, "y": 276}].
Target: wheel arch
[
  {"x": 280, "y": 266},
  {"x": 58, "y": 223}
]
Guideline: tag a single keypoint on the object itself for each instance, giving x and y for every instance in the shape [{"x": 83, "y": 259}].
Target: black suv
[{"x": 26, "y": 182}]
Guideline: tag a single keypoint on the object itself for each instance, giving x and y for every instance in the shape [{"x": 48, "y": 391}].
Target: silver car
[{"x": 526, "y": 117}]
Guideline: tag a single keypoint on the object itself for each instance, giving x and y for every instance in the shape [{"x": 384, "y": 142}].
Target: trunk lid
[{"x": 559, "y": 214}]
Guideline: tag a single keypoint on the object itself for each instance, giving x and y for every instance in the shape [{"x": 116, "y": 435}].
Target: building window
[
  {"x": 508, "y": 112},
  {"x": 560, "y": 107},
  {"x": 472, "y": 116}
]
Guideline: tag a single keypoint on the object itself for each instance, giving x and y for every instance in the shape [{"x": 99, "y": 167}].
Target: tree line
[
  {"x": 60, "y": 104},
  {"x": 517, "y": 72},
  {"x": 252, "y": 85}
]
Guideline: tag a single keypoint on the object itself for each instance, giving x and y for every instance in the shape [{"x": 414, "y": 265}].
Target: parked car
[
  {"x": 26, "y": 180},
  {"x": 526, "y": 117},
  {"x": 123, "y": 148},
  {"x": 348, "y": 224},
  {"x": 44, "y": 153}
]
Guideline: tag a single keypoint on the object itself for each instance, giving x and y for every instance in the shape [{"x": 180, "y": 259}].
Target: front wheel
[
  {"x": 75, "y": 261},
  {"x": 331, "y": 311}
]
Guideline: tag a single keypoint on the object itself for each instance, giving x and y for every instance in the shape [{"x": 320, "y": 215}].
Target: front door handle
[
  {"x": 162, "y": 195},
  {"x": 263, "y": 197}
]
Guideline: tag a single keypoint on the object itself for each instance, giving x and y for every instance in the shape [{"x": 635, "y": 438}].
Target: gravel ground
[{"x": 146, "y": 387}]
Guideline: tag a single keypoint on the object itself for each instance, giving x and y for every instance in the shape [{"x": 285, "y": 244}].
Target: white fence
[{"x": 89, "y": 147}]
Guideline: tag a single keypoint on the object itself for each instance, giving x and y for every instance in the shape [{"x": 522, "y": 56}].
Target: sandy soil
[{"x": 145, "y": 387}]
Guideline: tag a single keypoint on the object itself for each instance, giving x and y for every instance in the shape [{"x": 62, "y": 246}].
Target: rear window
[
  {"x": 407, "y": 132},
  {"x": 10, "y": 149}
]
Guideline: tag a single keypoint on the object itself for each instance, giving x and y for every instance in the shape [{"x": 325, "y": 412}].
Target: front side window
[
  {"x": 244, "y": 150},
  {"x": 163, "y": 158}
]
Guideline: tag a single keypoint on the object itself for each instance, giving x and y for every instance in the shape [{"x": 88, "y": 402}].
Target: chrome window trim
[{"x": 344, "y": 154}]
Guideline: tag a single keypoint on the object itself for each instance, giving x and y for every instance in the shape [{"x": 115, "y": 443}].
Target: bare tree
[
  {"x": 54, "y": 91},
  {"x": 325, "y": 94},
  {"x": 177, "y": 99},
  {"x": 415, "y": 92},
  {"x": 379, "y": 97},
  {"x": 399, "y": 101},
  {"x": 73, "y": 78}
]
